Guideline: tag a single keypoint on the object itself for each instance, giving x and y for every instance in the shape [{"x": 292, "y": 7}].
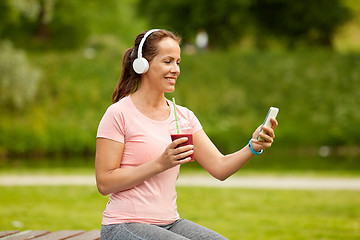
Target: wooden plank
[
  {"x": 91, "y": 235},
  {"x": 25, "y": 235},
  {"x": 47, "y": 235},
  {"x": 7, "y": 233},
  {"x": 59, "y": 235}
]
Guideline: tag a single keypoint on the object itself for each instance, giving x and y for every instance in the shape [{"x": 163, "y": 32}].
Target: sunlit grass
[
  {"x": 235, "y": 213},
  {"x": 273, "y": 214}
]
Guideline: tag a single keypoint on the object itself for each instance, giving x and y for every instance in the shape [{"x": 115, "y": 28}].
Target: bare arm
[
  {"x": 111, "y": 178},
  {"x": 222, "y": 166}
]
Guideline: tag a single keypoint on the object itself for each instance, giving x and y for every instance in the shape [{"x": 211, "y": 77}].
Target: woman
[{"x": 136, "y": 161}]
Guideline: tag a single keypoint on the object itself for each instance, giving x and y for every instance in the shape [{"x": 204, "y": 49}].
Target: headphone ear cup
[{"x": 140, "y": 65}]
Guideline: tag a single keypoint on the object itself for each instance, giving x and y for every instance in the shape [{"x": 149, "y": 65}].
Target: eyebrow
[{"x": 179, "y": 59}]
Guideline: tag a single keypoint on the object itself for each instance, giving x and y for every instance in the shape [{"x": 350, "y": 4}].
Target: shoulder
[
  {"x": 114, "y": 119},
  {"x": 184, "y": 110},
  {"x": 179, "y": 108},
  {"x": 122, "y": 105}
]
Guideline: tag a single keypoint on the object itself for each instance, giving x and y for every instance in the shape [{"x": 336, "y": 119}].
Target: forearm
[
  {"x": 218, "y": 165},
  {"x": 231, "y": 163},
  {"x": 121, "y": 179},
  {"x": 110, "y": 177}
]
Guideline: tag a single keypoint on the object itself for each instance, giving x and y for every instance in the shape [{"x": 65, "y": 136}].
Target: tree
[
  {"x": 308, "y": 21},
  {"x": 48, "y": 23},
  {"x": 224, "y": 21},
  {"x": 227, "y": 21}
]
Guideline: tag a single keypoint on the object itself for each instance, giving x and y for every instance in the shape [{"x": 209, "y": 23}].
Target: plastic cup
[{"x": 184, "y": 129}]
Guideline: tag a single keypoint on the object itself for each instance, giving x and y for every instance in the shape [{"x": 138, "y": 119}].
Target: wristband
[{"x": 252, "y": 149}]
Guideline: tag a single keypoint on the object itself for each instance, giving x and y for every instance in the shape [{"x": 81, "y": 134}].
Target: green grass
[
  {"x": 273, "y": 214},
  {"x": 235, "y": 213}
]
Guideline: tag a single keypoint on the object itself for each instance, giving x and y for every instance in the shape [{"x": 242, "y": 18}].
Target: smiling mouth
[{"x": 171, "y": 80}]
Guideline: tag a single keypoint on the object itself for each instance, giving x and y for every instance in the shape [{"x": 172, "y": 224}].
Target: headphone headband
[{"x": 143, "y": 41}]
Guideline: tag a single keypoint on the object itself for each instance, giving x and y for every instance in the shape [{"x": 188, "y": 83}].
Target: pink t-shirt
[{"x": 145, "y": 139}]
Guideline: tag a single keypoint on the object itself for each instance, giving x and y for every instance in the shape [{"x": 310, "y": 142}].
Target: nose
[{"x": 175, "y": 68}]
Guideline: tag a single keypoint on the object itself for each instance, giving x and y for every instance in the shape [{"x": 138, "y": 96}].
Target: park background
[{"x": 60, "y": 62}]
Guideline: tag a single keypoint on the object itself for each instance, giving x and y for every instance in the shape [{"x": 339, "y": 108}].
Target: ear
[{"x": 140, "y": 65}]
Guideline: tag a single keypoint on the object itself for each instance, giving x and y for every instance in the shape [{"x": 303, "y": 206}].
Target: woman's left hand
[{"x": 268, "y": 135}]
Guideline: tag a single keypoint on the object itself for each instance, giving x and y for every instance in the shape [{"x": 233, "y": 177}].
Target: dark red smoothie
[{"x": 188, "y": 142}]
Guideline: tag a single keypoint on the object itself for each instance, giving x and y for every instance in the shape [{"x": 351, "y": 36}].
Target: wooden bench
[{"x": 48, "y": 235}]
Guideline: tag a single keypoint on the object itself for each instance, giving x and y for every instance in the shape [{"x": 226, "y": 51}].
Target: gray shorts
[{"x": 180, "y": 229}]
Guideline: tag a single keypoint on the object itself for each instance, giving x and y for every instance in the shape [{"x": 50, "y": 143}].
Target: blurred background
[{"x": 61, "y": 60}]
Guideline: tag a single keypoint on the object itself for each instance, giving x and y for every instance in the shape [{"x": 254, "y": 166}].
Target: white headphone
[{"x": 140, "y": 64}]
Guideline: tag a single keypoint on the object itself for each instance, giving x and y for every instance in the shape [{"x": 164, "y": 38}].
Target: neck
[
  {"x": 148, "y": 99},
  {"x": 153, "y": 106}
]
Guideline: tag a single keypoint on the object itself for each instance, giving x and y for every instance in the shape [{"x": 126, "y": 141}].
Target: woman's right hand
[{"x": 173, "y": 155}]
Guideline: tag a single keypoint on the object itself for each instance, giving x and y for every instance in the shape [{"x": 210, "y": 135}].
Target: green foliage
[
  {"x": 262, "y": 214},
  {"x": 312, "y": 22},
  {"x": 315, "y": 91},
  {"x": 230, "y": 92},
  {"x": 65, "y": 24},
  {"x": 73, "y": 95},
  {"x": 44, "y": 23},
  {"x": 224, "y": 21},
  {"x": 306, "y": 21},
  {"x": 18, "y": 79},
  {"x": 68, "y": 27},
  {"x": 7, "y": 15}
]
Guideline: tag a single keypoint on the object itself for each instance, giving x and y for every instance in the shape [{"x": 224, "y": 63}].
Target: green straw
[{"x": 176, "y": 118}]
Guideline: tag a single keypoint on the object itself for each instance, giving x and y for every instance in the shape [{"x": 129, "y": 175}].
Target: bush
[
  {"x": 229, "y": 91},
  {"x": 18, "y": 79},
  {"x": 316, "y": 91}
]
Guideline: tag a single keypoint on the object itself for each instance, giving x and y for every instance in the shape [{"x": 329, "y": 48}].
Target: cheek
[{"x": 156, "y": 69}]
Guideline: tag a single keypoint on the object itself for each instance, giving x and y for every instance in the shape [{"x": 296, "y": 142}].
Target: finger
[
  {"x": 178, "y": 141},
  {"x": 184, "y": 148},
  {"x": 269, "y": 131},
  {"x": 262, "y": 144},
  {"x": 184, "y": 154},
  {"x": 257, "y": 145},
  {"x": 255, "y": 141},
  {"x": 185, "y": 160},
  {"x": 266, "y": 138},
  {"x": 269, "y": 139},
  {"x": 274, "y": 123}
]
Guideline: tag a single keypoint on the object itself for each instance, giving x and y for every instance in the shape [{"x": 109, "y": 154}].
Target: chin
[{"x": 170, "y": 90}]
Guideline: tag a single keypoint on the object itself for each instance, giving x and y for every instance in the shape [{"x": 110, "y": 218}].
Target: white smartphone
[{"x": 272, "y": 113}]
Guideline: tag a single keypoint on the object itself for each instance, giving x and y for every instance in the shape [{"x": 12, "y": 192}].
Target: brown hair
[{"x": 129, "y": 80}]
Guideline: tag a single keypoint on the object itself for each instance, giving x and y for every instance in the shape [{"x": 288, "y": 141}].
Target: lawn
[{"x": 236, "y": 213}]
